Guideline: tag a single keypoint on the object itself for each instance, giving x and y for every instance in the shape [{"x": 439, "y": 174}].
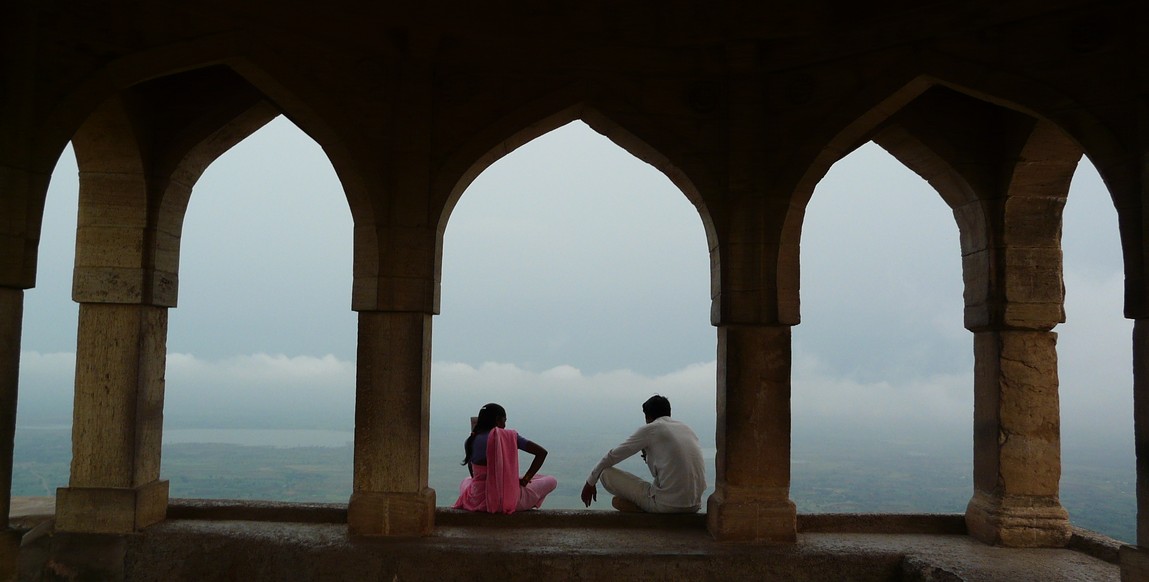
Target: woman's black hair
[{"x": 489, "y": 416}]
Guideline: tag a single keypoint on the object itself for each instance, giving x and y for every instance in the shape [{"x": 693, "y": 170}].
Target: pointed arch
[
  {"x": 140, "y": 154},
  {"x": 873, "y": 114},
  {"x": 276, "y": 81},
  {"x": 1005, "y": 172},
  {"x": 540, "y": 117}
]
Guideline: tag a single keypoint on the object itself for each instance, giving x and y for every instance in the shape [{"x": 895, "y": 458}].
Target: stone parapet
[{"x": 255, "y": 551}]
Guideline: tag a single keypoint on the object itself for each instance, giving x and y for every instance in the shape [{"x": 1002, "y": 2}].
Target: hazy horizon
[{"x": 832, "y": 471}]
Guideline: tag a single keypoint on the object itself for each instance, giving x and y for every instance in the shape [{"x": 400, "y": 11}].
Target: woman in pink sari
[{"x": 493, "y": 462}]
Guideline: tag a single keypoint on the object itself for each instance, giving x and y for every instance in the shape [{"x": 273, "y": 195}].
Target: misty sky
[{"x": 576, "y": 284}]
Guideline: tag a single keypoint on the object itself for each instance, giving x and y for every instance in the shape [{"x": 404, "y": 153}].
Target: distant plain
[{"x": 829, "y": 474}]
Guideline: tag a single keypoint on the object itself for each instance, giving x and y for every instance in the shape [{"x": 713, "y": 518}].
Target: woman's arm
[{"x": 536, "y": 464}]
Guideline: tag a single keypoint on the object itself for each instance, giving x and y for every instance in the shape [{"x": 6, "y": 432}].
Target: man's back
[{"x": 674, "y": 457}]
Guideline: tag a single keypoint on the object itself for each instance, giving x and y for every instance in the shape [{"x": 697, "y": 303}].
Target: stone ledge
[
  {"x": 179, "y": 550},
  {"x": 247, "y": 510},
  {"x": 28, "y": 512},
  {"x": 208, "y": 539},
  {"x": 277, "y": 511},
  {"x": 1093, "y": 544},
  {"x": 941, "y": 524},
  {"x": 31, "y": 511},
  {"x": 915, "y": 569},
  {"x": 909, "y": 523},
  {"x": 571, "y": 518},
  {"x": 38, "y": 509}
]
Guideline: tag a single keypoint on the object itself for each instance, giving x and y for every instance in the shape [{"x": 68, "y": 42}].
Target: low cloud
[
  {"x": 279, "y": 391},
  {"x": 260, "y": 390},
  {"x": 565, "y": 400},
  {"x": 46, "y": 388},
  {"x": 819, "y": 396},
  {"x": 1095, "y": 359}
]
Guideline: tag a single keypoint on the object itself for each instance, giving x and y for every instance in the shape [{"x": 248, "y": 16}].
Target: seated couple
[{"x": 670, "y": 448}]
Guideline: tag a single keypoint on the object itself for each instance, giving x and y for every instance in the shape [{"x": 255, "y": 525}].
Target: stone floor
[{"x": 204, "y": 540}]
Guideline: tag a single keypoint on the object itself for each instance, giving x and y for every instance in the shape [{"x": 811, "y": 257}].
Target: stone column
[
  {"x": 392, "y": 419},
  {"x": 117, "y": 422},
  {"x": 1135, "y": 559},
  {"x": 11, "y": 317},
  {"x": 1017, "y": 441},
  {"x": 1015, "y": 296},
  {"x": 751, "y": 499}
]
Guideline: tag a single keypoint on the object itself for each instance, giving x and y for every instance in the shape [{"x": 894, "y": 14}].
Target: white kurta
[{"x": 674, "y": 457}]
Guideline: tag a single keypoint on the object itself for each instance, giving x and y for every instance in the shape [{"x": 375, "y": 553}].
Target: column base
[
  {"x": 758, "y": 520},
  {"x": 1134, "y": 564},
  {"x": 111, "y": 509},
  {"x": 1018, "y": 521},
  {"x": 375, "y": 513}
]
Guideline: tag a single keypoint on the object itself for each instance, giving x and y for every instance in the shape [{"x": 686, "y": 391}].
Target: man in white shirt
[{"x": 674, "y": 456}]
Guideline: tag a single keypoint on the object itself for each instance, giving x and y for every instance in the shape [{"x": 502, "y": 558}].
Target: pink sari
[{"x": 494, "y": 488}]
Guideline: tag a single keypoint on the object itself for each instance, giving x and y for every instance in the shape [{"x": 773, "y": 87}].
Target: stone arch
[
  {"x": 1071, "y": 125},
  {"x": 855, "y": 123},
  {"x": 1005, "y": 172},
  {"x": 138, "y": 171},
  {"x": 282, "y": 89},
  {"x": 140, "y": 154},
  {"x": 1058, "y": 130},
  {"x": 62, "y": 118},
  {"x": 538, "y": 118},
  {"x": 266, "y": 73},
  {"x": 996, "y": 204}
]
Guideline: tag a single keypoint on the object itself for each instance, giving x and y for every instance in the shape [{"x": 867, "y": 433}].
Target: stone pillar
[
  {"x": 751, "y": 499},
  {"x": 9, "y": 554},
  {"x": 1017, "y": 441},
  {"x": 392, "y": 419},
  {"x": 1135, "y": 559},
  {"x": 11, "y": 317},
  {"x": 117, "y": 422}
]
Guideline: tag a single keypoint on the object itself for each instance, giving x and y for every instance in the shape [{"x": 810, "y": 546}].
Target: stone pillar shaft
[
  {"x": 117, "y": 422},
  {"x": 751, "y": 500},
  {"x": 392, "y": 419},
  {"x": 1135, "y": 559},
  {"x": 1141, "y": 425},
  {"x": 1017, "y": 441},
  {"x": 11, "y": 319}
]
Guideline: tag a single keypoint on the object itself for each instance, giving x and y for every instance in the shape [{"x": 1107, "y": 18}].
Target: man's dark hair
[{"x": 656, "y": 407}]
